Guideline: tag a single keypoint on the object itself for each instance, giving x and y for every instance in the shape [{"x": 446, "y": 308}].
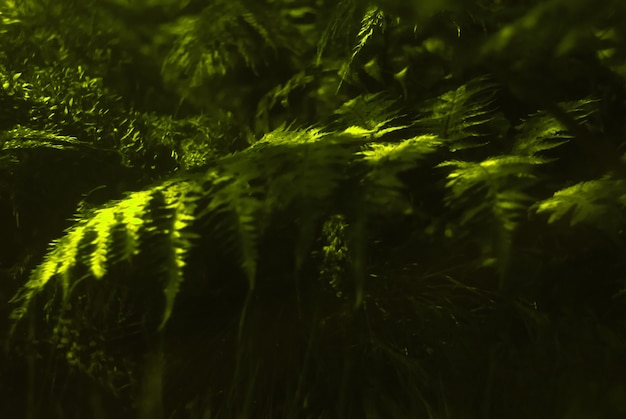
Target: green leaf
[{"x": 599, "y": 203}]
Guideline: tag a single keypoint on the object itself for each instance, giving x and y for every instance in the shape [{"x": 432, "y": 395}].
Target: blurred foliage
[{"x": 312, "y": 208}]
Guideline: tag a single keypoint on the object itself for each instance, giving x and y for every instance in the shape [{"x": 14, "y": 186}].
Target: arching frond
[
  {"x": 598, "y": 203},
  {"x": 368, "y": 114},
  {"x": 386, "y": 161},
  {"x": 459, "y": 114},
  {"x": 489, "y": 176},
  {"x": 214, "y": 42},
  {"x": 543, "y": 131},
  {"x": 301, "y": 164},
  {"x": 235, "y": 197},
  {"x": 489, "y": 196},
  {"x": 115, "y": 233},
  {"x": 279, "y": 94},
  {"x": 371, "y": 21},
  {"x": 346, "y": 19}
]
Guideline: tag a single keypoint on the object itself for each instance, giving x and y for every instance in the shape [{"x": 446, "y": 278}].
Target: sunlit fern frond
[
  {"x": 490, "y": 199},
  {"x": 493, "y": 185},
  {"x": 372, "y": 21},
  {"x": 308, "y": 167},
  {"x": 116, "y": 233},
  {"x": 597, "y": 203},
  {"x": 369, "y": 114},
  {"x": 301, "y": 164},
  {"x": 386, "y": 161},
  {"x": 460, "y": 115},
  {"x": 287, "y": 171},
  {"x": 371, "y": 26}
]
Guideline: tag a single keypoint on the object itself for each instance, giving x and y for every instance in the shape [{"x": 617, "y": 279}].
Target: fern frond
[
  {"x": 346, "y": 14},
  {"x": 386, "y": 161},
  {"x": 542, "y": 131},
  {"x": 458, "y": 115},
  {"x": 368, "y": 114},
  {"x": 181, "y": 201},
  {"x": 238, "y": 200},
  {"x": 509, "y": 206},
  {"x": 490, "y": 198},
  {"x": 371, "y": 22},
  {"x": 114, "y": 233},
  {"x": 598, "y": 203},
  {"x": 490, "y": 194},
  {"x": 490, "y": 175},
  {"x": 302, "y": 165},
  {"x": 225, "y": 34},
  {"x": 295, "y": 171},
  {"x": 401, "y": 156},
  {"x": 280, "y": 94}
]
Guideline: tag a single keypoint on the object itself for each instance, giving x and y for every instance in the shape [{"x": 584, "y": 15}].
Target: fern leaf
[
  {"x": 237, "y": 198},
  {"x": 491, "y": 190},
  {"x": 114, "y": 233},
  {"x": 543, "y": 132},
  {"x": 368, "y": 114},
  {"x": 459, "y": 114},
  {"x": 297, "y": 171},
  {"x": 180, "y": 199},
  {"x": 509, "y": 206},
  {"x": 598, "y": 203},
  {"x": 489, "y": 196},
  {"x": 279, "y": 94},
  {"x": 211, "y": 44},
  {"x": 386, "y": 161},
  {"x": 491, "y": 175},
  {"x": 401, "y": 155},
  {"x": 346, "y": 18},
  {"x": 371, "y": 21}
]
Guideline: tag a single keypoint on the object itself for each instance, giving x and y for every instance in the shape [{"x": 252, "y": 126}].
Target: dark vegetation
[{"x": 312, "y": 209}]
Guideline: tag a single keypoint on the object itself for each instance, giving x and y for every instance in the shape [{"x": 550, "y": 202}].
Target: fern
[
  {"x": 302, "y": 172},
  {"x": 235, "y": 196},
  {"x": 246, "y": 187},
  {"x": 489, "y": 197},
  {"x": 115, "y": 233},
  {"x": 346, "y": 14},
  {"x": 215, "y": 42},
  {"x": 368, "y": 115},
  {"x": 279, "y": 94},
  {"x": 300, "y": 164},
  {"x": 542, "y": 131},
  {"x": 460, "y": 115},
  {"x": 386, "y": 161},
  {"x": 490, "y": 185},
  {"x": 180, "y": 199},
  {"x": 372, "y": 21},
  {"x": 596, "y": 203}
]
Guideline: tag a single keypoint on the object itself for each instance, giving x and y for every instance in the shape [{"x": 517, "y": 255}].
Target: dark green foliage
[{"x": 312, "y": 209}]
